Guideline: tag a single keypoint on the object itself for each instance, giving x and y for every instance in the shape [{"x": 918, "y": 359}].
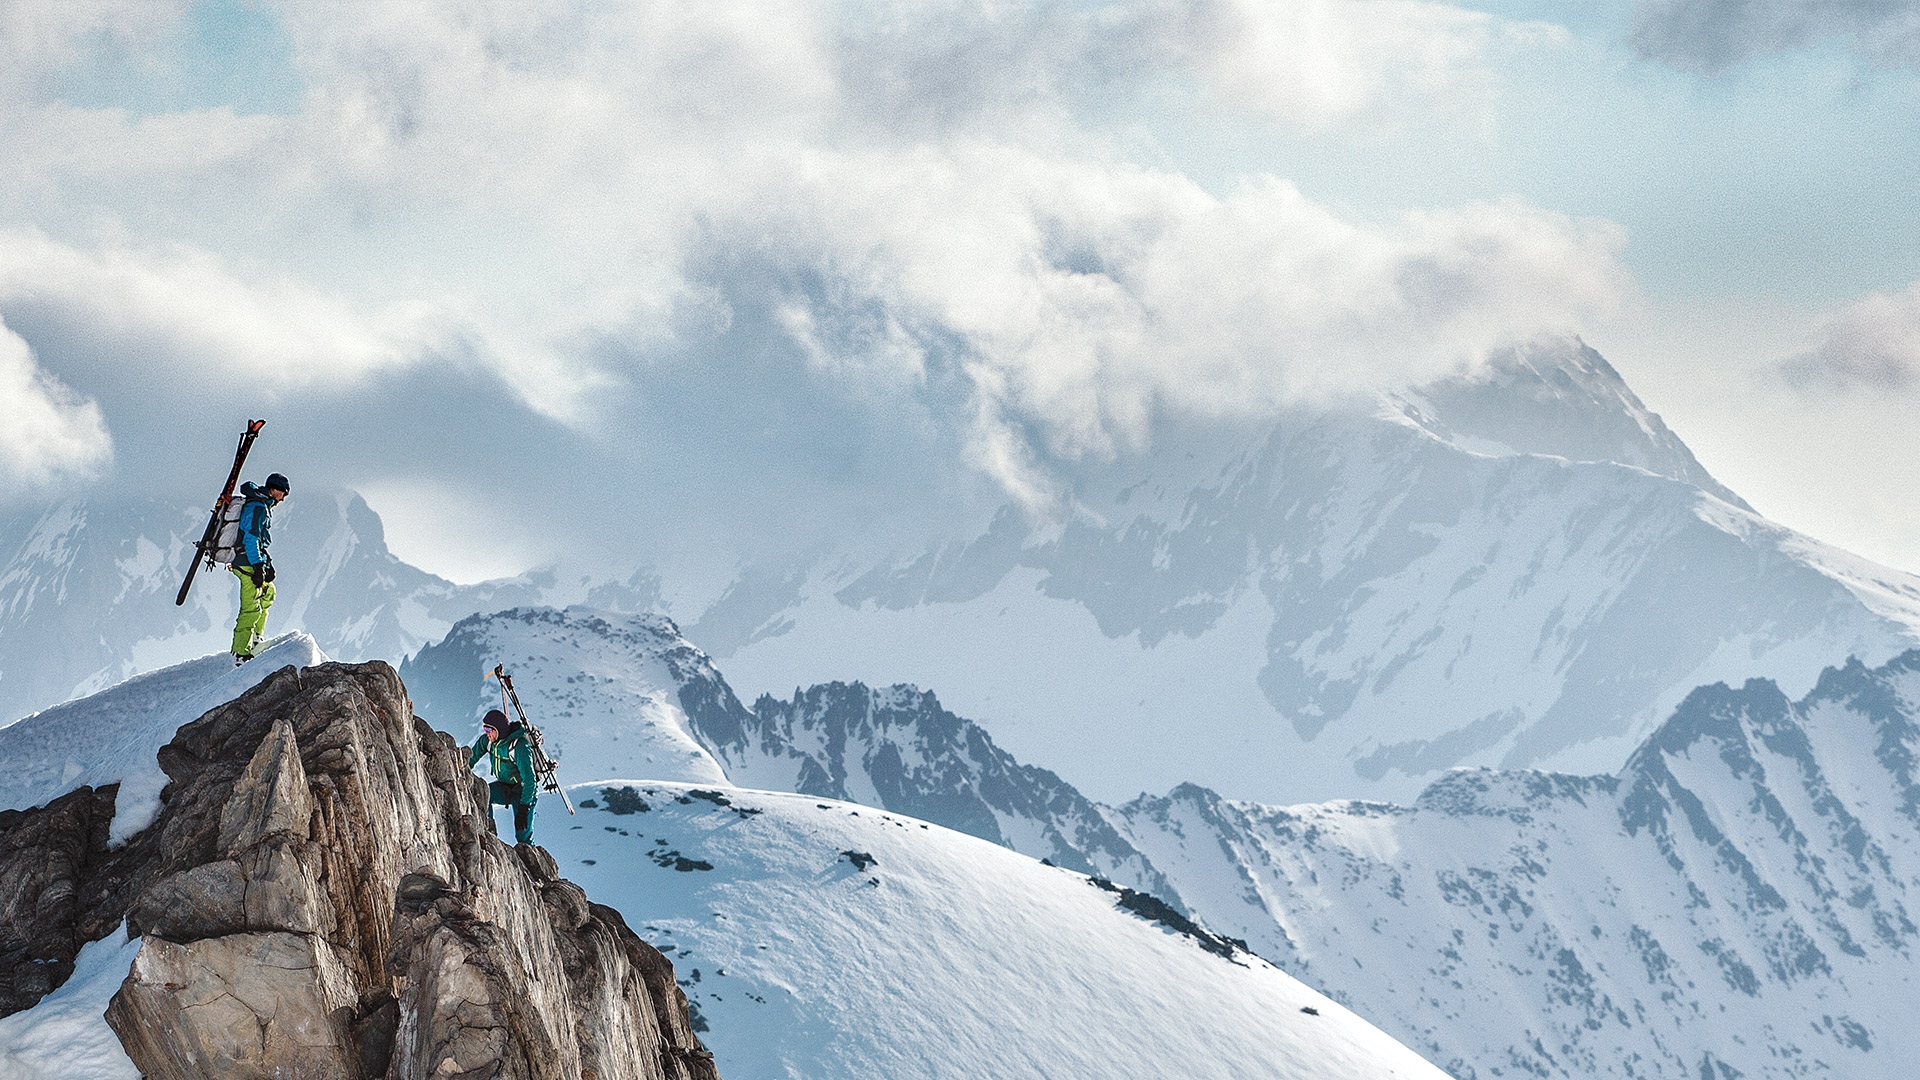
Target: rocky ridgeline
[{"x": 322, "y": 896}]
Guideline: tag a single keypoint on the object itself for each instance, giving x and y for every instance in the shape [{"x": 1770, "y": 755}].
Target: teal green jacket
[{"x": 512, "y": 760}]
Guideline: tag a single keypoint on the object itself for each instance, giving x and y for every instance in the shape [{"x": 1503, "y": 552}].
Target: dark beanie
[
  {"x": 279, "y": 481},
  {"x": 495, "y": 719}
]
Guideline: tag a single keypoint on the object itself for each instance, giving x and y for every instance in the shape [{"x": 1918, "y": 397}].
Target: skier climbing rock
[
  {"x": 253, "y": 563},
  {"x": 514, "y": 783}
]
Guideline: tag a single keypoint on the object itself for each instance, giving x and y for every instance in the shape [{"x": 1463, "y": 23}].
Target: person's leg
[
  {"x": 523, "y": 822},
  {"x": 253, "y": 616},
  {"x": 266, "y": 595}
]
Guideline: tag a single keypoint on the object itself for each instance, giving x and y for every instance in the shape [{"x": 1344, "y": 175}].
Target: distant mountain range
[
  {"x": 812, "y": 939},
  {"x": 87, "y": 588},
  {"x": 1737, "y": 901},
  {"x": 1517, "y": 567}
]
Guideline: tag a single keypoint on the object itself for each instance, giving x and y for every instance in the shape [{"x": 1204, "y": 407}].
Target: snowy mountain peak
[
  {"x": 605, "y": 687},
  {"x": 1554, "y": 395},
  {"x": 1737, "y": 901},
  {"x": 812, "y": 938}
]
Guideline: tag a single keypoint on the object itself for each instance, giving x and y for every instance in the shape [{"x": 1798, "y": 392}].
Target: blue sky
[{"x": 758, "y": 268}]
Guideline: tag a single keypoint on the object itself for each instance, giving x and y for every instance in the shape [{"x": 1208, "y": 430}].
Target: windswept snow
[
  {"x": 66, "y": 1036},
  {"x": 816, "y": 938},
  {"x": 113, "y": 736},
  {"x": 945, "y": 956},
  {"x": 604, "y": 688}
]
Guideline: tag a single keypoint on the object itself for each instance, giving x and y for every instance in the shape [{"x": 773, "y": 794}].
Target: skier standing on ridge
[
  {"x": 514, "y": 783},
  {"x": 253, "y": 564}
]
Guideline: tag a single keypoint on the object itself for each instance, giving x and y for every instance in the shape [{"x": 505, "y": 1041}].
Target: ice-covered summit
[
  {"x": 1517, "y": 567},
  {"x": 1559, "y": 397}
]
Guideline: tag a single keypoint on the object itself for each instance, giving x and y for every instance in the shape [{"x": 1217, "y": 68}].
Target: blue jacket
[{"x": 256, "y": 525}]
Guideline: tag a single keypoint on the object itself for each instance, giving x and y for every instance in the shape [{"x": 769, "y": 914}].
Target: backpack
[{"x": 226, "y": 546}]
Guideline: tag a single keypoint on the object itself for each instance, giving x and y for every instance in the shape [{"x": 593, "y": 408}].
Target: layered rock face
[
  {"x": 322, "y": 896},
  {"x": 49, "y": 858}
]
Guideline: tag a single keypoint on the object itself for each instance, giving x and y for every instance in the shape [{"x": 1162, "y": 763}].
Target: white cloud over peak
[
  {"x": 47, "y": 432},
  {"x": 923, "y": 195}
]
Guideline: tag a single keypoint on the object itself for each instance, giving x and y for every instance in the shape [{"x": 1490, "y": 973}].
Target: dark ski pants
[{"x": 505, "y": 794}]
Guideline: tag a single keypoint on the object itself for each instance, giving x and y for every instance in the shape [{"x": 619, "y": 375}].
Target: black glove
[
  {"x": 266, "y": 574},
  {"x": 259, "y": 575}
]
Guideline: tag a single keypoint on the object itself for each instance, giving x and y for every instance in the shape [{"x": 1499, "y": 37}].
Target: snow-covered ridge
[
  {"x": 607, "y": 688},
  {"x": 628, "y": 694},
  {"x": 1738, "y": 900},
  {"x": 1558, "y": 397},
  {"x": 1522, "y": 567},
  {"x": 818, "y": 940},
  {"x": 1739, "y": 894},
  {"x": 112, "y": 736}
]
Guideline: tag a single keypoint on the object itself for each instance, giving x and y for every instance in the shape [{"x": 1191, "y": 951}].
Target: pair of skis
[
  {"x": 545, "y": 768},
  {"x": 211, "y": 538}
]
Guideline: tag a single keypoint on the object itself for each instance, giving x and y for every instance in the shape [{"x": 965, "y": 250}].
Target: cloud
[
  {"x": 1317, "y": 62},
  {"x": 1083, "y": 303},
  {"x": 921, "y": 199},
  {"x": 50, "y": 434},
  {"x": 1871, "y": 345},
  {"x": 1310, "y": 63},
  {"x": 1713, "y": 35}
]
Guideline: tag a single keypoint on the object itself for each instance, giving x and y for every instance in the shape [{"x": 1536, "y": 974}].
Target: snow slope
[
  {"x": 1740, "y": 900},
  {"x": 1521, "y": 568},
  {"x": 945, "y": 956},
  {"x": 1740, "y": 894},
  {"x": 112, "y": 737},
  {"x": 66, "y": 1036},
  {"x": 604, "y": 688}
]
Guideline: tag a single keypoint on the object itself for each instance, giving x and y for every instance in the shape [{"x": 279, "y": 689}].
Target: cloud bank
[
  {"x": 923, "y": 218},
  {"x": 50, "y": 434},
  {"x": 1713, "y": 35},
  {"x": 1872, "y": 344}
]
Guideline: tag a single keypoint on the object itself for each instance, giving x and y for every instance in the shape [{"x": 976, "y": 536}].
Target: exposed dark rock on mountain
[
  {"x": 48, "y": 858},
  {"x": 322, "y": 896},
  {"x": 899, "y": 749}
]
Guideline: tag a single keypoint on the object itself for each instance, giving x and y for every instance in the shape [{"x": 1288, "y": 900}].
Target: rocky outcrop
[
  {"x": 48, "y": 858},
  {"x": 322, "y": 896}
]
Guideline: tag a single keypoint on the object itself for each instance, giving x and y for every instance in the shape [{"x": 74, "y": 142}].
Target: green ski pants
[{"x": 251, "y": 626}]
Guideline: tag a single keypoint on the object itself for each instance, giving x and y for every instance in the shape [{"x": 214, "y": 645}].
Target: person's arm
[
  {"x": 523, "y": 763},
  {"x": 479, "y": 751},
  {"x": 249, "y": 540}
]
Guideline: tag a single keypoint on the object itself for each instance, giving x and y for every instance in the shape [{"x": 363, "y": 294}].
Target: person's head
[
  {"x": 495, "y": 722},
  {"x": 277, "y": 486}
]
